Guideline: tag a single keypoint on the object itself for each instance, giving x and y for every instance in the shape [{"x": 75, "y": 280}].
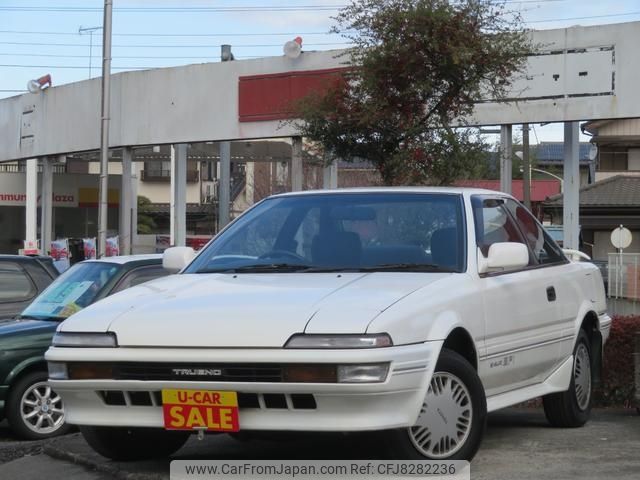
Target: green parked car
[{"x": 33, "y": 410}]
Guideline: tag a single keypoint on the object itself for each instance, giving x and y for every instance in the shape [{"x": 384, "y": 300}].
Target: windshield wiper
[
  {"x": 407, "y": 267},
  {"x": 260, "y": 268}
]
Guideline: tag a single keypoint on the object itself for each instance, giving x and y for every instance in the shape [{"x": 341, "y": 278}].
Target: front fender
[
  {"x": 24, "y": 365},
  {"x": 433, "y": 312}
]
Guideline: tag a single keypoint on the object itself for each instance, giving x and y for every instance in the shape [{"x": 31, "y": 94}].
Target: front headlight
[
  {"x": 81, "y": 339},
  {"x": 301, "y": 340}
]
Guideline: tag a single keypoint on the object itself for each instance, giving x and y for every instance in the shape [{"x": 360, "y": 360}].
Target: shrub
[{"x": 617, "y": 386}]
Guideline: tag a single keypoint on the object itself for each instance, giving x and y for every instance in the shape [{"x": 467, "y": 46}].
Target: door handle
[{"x": 551, "y": 294}]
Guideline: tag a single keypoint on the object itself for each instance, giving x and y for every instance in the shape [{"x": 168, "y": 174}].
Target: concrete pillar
[
  {"x": 178, "y": 225},
  {"x": 224, "y": 184},
  {"x": 134, "y": 206},
  {"x": 251, "y": 183},
  {"x": 526, "y": 166},
  {"x": 506, "y": 151},
  {"x": 296, "y": 164},
  {"x": 571, "y": 175},
  {"x": 126, "y": 202},
  {"x": 330, "y": 175},
  {"x": 46, "y": 204},
  {"x": 31, "y": 202}
]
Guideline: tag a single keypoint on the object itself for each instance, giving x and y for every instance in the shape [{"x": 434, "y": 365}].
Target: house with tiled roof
[{"x": 604, "y": 206}]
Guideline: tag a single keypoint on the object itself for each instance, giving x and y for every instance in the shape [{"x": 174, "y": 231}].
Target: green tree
[
  {"x": 416, "y": 69},
  {"x": 146, "y": 224}
]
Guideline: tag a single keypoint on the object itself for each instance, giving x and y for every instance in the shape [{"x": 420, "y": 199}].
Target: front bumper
[{"x": 393, "y": 403}]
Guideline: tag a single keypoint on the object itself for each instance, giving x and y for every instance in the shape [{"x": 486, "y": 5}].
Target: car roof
[
  {"x": 126, "y": 259},
  {"x": 467, "y": 191},
  {"x": 23, "y": 258}
]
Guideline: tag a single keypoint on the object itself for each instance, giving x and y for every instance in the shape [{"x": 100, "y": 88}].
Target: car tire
[
  {"x": 128, "y": 444},
  {"x": 455, "y": 393},
  {"x": 572, "y": 408},
  {"x": 34, "y": 410}
]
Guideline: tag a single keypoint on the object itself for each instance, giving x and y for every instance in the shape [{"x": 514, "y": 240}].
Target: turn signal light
[
  {"x": 310, "y": 374},
  {"x": 90, "y": 371}
]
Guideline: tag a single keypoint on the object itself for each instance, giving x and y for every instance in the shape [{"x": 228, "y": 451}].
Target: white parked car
[{"x": 412, "y": 312}]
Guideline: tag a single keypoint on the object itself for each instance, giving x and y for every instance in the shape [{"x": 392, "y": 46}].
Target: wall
[{"x": 602, "y": 244}]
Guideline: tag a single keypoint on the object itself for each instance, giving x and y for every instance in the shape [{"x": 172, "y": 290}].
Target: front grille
[
  {"x": 227, "y": 372},
  {"x": 265, "y": 401}
]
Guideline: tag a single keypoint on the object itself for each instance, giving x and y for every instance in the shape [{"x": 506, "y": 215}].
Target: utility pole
[
  {"x": 526, "y": 166},
  {"x": 104, "y": 129},
  {"x": 224, "y": 180},
  {"x": 90, "y": 30}
]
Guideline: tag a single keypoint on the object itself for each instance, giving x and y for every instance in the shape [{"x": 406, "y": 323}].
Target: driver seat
[{"x": 337, "y": 249}]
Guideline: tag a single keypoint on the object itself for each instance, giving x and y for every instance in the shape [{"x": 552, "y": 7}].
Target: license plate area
[{"x": 200, "y": 410}]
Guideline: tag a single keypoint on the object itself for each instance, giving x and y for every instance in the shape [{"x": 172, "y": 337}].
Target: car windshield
[
  {"x": 72, "y": 291},
  {"x": 342, "y": 232}
]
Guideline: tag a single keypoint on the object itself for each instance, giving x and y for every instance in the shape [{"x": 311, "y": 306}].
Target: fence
[{"x": 624, "y": 276}]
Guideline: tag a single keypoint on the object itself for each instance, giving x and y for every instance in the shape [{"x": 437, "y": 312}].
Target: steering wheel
[{"x": 284, "y": 254}]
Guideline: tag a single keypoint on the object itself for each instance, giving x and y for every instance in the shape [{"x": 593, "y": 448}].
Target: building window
[{"x": 613, "y": 159}]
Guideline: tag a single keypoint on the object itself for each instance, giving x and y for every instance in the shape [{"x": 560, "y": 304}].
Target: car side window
[
  {"x": 15, "y": 284},
  {"x": 493, "y": 224},
  {"x": 543, "y": 247},
  {"x": 140, "y": 275}
]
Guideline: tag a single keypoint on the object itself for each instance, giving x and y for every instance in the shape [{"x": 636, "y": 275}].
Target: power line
[
  {"x": 219, "y": 9},
  {"x": 252, "y": 34},
  {"x": 584, "y": 18},
  {"x": 169, "y": 46},
  {"x": 83, "y": 67},
  {"x": 55, "y": 55}
]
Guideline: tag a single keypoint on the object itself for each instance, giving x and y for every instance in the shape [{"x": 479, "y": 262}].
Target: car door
[
  {"x": 568, "y": 278},
  {"x": 522, "y": 328}
]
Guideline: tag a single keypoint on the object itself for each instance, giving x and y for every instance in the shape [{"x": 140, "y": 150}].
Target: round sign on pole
[{"x": 621, "y": 237}]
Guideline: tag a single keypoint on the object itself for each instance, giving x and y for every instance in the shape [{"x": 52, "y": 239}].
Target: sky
[{"x": 40, "y": 36}]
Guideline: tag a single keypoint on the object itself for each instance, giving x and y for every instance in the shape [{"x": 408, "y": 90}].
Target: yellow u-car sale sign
[{"x": 195, "y": 409}]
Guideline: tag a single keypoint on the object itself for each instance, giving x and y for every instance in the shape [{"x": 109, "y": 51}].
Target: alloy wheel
[{"x": 41, "y": 409}]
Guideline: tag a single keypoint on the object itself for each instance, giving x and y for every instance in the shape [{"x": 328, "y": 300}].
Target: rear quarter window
[{"x": 15, "y": 284}]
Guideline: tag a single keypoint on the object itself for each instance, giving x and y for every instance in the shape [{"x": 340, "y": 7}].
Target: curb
[{"x": 53, "y": 451}]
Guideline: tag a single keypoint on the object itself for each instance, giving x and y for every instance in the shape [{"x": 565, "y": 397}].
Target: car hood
[
  {"x": 245, "y": 310},
  {"x": 11, "y": 328}
]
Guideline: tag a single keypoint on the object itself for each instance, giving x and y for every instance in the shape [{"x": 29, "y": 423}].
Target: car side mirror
[
  {"x": 504, "y": 256},
  {"x": 175, "y": 259}
]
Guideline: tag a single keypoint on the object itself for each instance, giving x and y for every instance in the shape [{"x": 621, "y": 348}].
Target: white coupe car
[{"x": 409, "y": 312}]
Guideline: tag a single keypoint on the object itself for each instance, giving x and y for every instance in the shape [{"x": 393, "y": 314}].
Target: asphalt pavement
[{"x": 519, "y": 445}]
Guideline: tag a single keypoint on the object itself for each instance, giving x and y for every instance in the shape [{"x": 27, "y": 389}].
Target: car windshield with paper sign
[{"x": 73, "y": 290}]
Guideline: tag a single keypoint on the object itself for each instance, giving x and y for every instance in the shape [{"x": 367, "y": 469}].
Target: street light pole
[
  {"x": 82, "y": 30},
  {"x": 551, "y": 175},
  {"x": 104, "y": 129}
]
